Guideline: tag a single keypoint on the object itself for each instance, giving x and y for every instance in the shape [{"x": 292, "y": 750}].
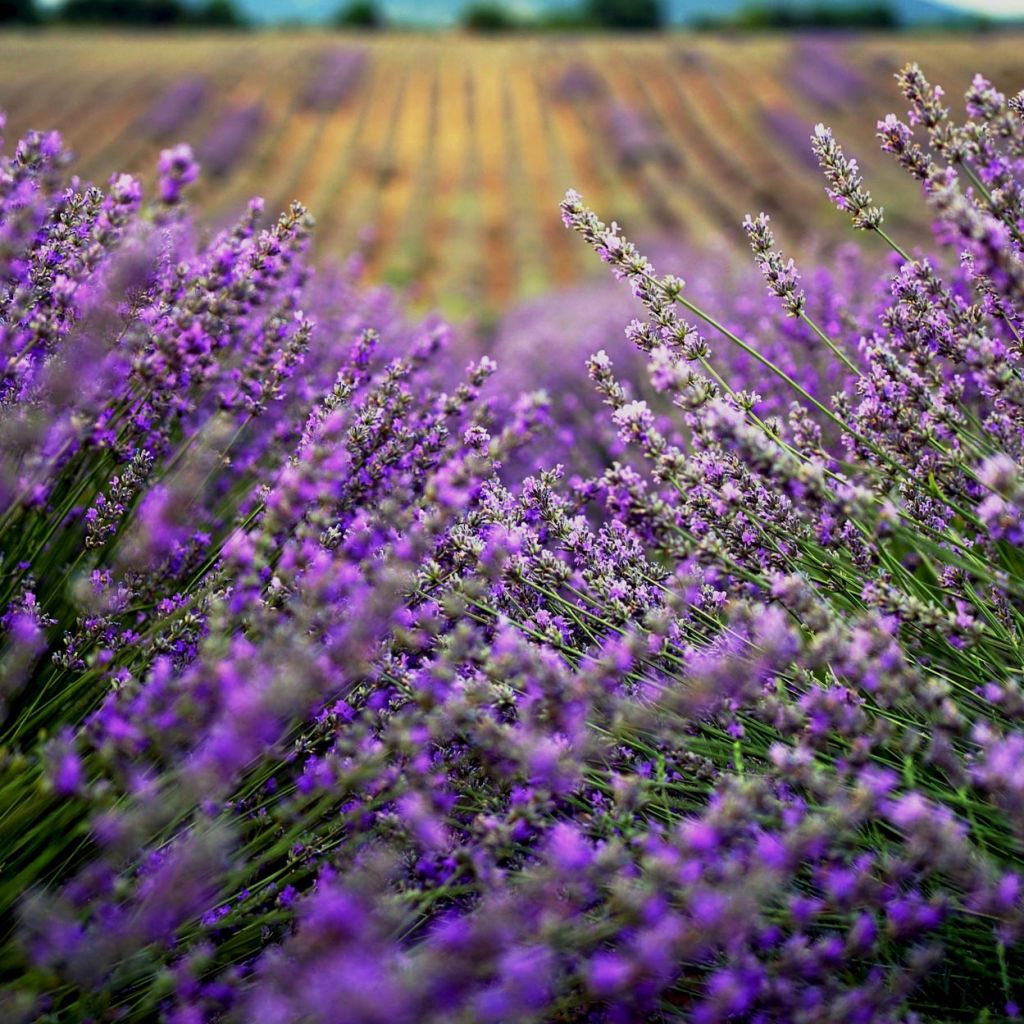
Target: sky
[{"x": 993, "y": 8}]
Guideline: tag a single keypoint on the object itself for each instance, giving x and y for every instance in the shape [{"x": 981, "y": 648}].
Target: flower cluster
[{"x": 329, "y": 696}]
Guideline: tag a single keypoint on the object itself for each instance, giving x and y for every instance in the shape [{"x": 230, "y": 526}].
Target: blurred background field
[{"x": 445, "y": 155}]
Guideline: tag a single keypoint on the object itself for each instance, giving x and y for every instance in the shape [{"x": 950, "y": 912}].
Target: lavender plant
[
  {"x": 231, "y": 138},
  {"x": 634, "y": 139},
  {"x": 578, "y": 81},
  {"x": 338, "y": 73},
  {"x": 821, "y": 72},
  {"x": 542, "y": 343},
  {"x": 174, "y": 108},
  {"x": 313, "y": 712},
  {"x": 788, "y": 130}
]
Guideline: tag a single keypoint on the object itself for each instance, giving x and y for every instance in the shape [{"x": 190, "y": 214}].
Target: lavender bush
[
  {"x": 578, "y": 81},
  {"x": 174, "y": 108},
  {"x": 231, "y": 138},
  {"x": 788, "y": 130},
  {"x": 337, "y": 75},
  {"x": 634, "y": 139},
  {"x": 311, "y": 714},
  {"x": 820, "y": 72},
  {"x": 543, "y": 342}
]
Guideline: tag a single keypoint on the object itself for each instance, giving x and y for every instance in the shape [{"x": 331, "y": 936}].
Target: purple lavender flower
[
  {"x": 845, "y": 185},
  {"x": 175, "y": 170}
]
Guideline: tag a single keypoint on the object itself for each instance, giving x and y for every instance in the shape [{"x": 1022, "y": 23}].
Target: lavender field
[
  {"x": 443, "y": 157},
  {"x": 651, "y": 652}
]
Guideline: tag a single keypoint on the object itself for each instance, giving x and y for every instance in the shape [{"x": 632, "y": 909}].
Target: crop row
[{"x": 447, "y": 157}]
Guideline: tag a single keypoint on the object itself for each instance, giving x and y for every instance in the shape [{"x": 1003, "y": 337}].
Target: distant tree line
[
  {"x": 495, "y": 16},
  {"x": 759, "y": 15},
  {"x": 476, "y": 16},
  {"x": 18, "y": 12},
  {"x": 782, "y": 17},
  {"x": 620, "y": 15},
  {"x": 484, "y": 16},
  {"x": 131, "y": 13},
  {"x": 878, "y": 14},
  {"x": 363, "y": 14}
]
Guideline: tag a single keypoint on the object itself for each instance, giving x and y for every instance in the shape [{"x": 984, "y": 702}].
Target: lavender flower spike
[
  {"x": 781, "y": 275},
  {"x": 845, "y": 185}
]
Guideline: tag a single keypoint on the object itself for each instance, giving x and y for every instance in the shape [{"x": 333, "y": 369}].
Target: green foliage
[
  {"x": 127, "y": 12},
  {"x": 629, "y": 15},
  {"x": 776, "y": 17},
  {"x": 150, "y": 13},
  {"x": 18, "y": 12},
  {"x": 216, "y": 14},
  {"x": 561, "y": 21},
  {"x": 362, "y": 14},
  {"x": 487, "y": 17}
]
